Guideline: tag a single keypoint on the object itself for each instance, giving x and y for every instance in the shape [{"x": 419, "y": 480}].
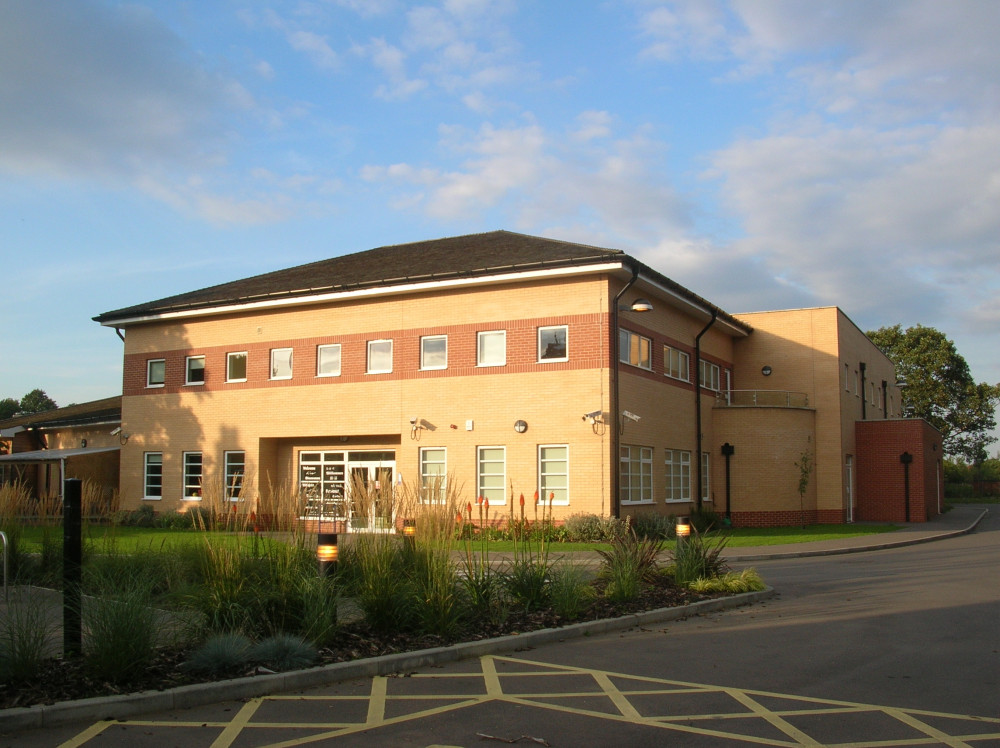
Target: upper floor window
[
  {"x": 328, "y": 360},
  {"x": 281, "y": 363},
  {"x": 194, "y": 370},
  {"x": 491, "y": 348},
  {"x": 156, "y": 372},
  {"x": 676, "y": 364},
  {"x": 434, "y": 352},
  {"x": 379, "y": 356},
  {"x": 236, "y": 366},
  {"x": 709, "y": 376},
  {"x": 552, "y": 343},
  {"x": 635, "y": 349}
]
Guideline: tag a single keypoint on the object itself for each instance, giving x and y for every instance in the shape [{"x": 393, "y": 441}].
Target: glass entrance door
[
  {"x": 356, "y": 486},
  {"x": 370, "y": 494}
]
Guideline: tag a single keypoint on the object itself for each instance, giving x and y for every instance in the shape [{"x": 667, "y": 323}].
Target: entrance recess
[{"x": 355, "y": 487}]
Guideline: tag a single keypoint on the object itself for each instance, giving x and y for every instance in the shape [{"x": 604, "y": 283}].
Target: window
[
  {"x": 153, "y": 476},
  {"x": 379, "y": 356},
  {"x": 192, "y": 475},
  {"x": 492, "y": 474},
  {"x": 434, "y": 352},
  {"x": 328, "y": 360},
  {"x": 709, "y": 376},
  {"x": 678, "y": 475},
  {"x": 847, "y": 377},
  {"x": 636, "y": 476},
  {"x": 194, "y": 370},
  {"x": 676, "y": 364},
  {"x": 236, "y": 367},
  {"x": 706, "y": 493},
  {"x": 552, "y": 343},
  {"x": 553, "y": 473},
  {"x": 634, "y": 349},
  {"x": 281, "y": 363},
  {"x": 235, "y": 463},
  {"x": 156, "y": 372},
  {"x": 491, "y": 348},
  {"x": 433, "y": 474}
]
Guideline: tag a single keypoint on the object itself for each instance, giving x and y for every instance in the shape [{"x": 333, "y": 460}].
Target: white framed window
[
  {"x": 676, "y": 364},
  {"x": 235, "y": 469},
  {"x": 847, "y": 377},
  {"x": 281, "y": 363},
  {"x": 236, "y": 366},
  {"x": 553, "y": 473},
  {"x": 328, "y": 360},
  {"x": 152, "y": 475},
  {"x": 677, "y": 464},
  {"x": 706, "y": 491},
  {"x": 434, "y": 352},
  {"x": 636, "y": 474},
  {"x": 491, "y": 348},
  {"x": 635, "y": 349},
  {"x": 709, "y": 376},
  {"x": 491, "y": 471},
  {"x": 433, "y": 474},
  {"x": 156, "y": 372},
  {"x": 194, "y": 370},
  {"x": 553, "y": 343},
  {"x": 192, "y": 475},
  {"x": 379, "y": 356}
]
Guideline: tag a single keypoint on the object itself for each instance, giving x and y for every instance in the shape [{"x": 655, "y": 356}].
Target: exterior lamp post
[
  {"x": 410, "y": 533},
  {"x": 639, "y": 305},
  {"x": 327, "y": 553}
]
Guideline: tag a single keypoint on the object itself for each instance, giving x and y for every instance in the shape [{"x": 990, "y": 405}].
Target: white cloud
[{"x": 315, "y": 46}]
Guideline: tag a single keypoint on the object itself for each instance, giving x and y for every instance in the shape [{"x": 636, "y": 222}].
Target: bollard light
[
  {"x": 409, "y": 528},
  {"x": 326, "y": 548},
  {"x": 683, "y": 528}
]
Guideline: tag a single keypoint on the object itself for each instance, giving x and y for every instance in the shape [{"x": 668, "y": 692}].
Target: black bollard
[{"x": 72, "y": 566}]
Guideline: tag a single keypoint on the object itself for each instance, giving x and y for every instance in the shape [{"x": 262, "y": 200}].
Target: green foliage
[
  {"x": 9, "y": 408},
  {"x": 629, "y": 563},
  {"x": 704, "y": 519},
  {"x": 283, "y": 652},
  {"x": 748, "y": 580},
  {"x": 570, "y": 591},
  {"x": 377, "y": 579},
  {"x": 25, "y": 638},
  {"x": 699, "y": 556},
  {"x": 940, "y": 388},
  {"x": 584, "y": 528},
  {"x": 120, "y": 626},
  {"x": 221, "y": 654},
  {"x": 36, "y": 401}
]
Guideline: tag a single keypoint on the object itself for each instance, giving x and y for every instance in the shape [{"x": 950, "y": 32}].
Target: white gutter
[{"x": 369, "y": 292}]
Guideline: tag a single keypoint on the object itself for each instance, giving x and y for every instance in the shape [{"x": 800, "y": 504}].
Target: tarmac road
[{"x": 889, "y": 647}]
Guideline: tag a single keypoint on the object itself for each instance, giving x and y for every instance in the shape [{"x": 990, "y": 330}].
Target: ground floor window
[
  {"x": 192, "y": 475},
  {"x": 706, "y": 493},
  {"x": 433, "y": 473},
  {"x": 677, "y": 464},
  {"x": 492, "y": 474},
  {"x": 553, "y": 473},
  {"x": 636, "y": 474},
  {"x": 235, "y": 464},
  {"x": 153, "y": 475}
]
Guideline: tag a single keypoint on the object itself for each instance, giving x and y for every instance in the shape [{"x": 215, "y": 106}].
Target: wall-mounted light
[
  {"x": 83, "y": 443},
  {"x": 520, "y": 426}
]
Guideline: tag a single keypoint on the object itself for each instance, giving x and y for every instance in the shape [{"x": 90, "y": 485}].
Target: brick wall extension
[{"x": 882, "y": 476}]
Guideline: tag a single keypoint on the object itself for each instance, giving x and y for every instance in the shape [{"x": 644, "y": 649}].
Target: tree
[
  {"x": 37, "y": 401},
  {"x": 9, "y": 407},
  {"x": 940, "y": 388}
]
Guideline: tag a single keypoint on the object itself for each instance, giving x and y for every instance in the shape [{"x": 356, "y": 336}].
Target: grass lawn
[{"x": 125, "y": 539}]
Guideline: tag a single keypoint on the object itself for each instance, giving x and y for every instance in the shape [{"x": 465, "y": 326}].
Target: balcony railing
[{"x": 761, "y": 399}]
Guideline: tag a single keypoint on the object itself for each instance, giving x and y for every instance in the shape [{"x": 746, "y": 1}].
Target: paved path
[{"x": 855, "y": 652}]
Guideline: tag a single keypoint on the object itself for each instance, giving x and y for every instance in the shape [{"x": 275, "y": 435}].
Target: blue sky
[{"x": 766, "y": 154}]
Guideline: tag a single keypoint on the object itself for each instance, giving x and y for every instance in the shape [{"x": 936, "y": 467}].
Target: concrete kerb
[
  {"x": 861, "y": 548},
  {"x": 183, "y": 697}
]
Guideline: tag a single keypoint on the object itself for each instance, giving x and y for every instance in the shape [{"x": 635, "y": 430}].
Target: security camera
[
  {"x": 117, "y": 431},
  {"x": 631, "y": 416},
  {"x": 413, "y": 421},
  {"x": 593, "y": 415}
]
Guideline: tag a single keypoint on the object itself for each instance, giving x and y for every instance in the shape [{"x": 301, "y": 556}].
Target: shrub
[
  {"x": 570, "y": 591},
  {"x": 748, "y": 580},
  {"x": 705, "y": 519},
  {"x": 379, "y": 583},
  {"x": 653, "y": 526},
  {"x": 283, "y": 652},
  {"x": 120, "y": 627},
  {"x": 221, "y": 653},
  {"x": 592, "y": 528},
  {"x": 699, "y": 556},
  {"x": 629, "y": 563},
  {"x": 25, "y": 638}
]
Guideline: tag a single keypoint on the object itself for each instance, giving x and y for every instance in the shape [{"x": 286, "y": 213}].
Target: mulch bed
[{"x": 67, "y": 680}]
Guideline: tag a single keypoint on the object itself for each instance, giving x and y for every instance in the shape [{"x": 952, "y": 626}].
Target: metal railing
[{"x": 761, "y": 399}]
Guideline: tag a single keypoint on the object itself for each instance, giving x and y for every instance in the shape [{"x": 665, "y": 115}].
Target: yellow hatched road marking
[
  {"x": 236, "y": 725},
  {"x": 766, "y": 714},
  {"x": 617, "y": 697},
  {"x": 91, "y": 732},
  {"x": 376, "y": 704}
]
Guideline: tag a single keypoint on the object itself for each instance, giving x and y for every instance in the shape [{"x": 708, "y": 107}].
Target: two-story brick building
[{"x": 501, "y": 364}]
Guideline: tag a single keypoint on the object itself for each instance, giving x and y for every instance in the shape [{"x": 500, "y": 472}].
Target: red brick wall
[
  {"x": 787, "y": 518},
  {"x": 881, "y": 479}
]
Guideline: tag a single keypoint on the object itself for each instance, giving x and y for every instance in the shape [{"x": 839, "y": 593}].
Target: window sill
[
  {"x": 194, "y": 384},
  {"x": 644, "y": 502},
  {"x": 677, "y": 501},
  {"x": 152, "y": 498},
  {"x": 154, "y": 386},
  {"x": 235, "y": 381},
  {"x": 552, "y": 360}
]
